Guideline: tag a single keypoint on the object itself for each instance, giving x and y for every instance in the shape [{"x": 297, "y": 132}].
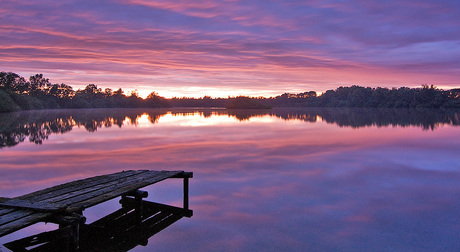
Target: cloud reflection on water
[{"x": 271, "y": 183}]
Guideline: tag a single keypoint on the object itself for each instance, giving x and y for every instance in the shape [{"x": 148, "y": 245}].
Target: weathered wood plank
[
  {"x": 100, "y": 188},
  {"x": 47, "y": 193},
  {"x": 4, "y": 211},
  {"x": 9, "y": 215},
  {"x": 26, "y": 204},
  {"x": 13, "y": 215},
  {"x": 105, "y": 194},
  {"x": 28, "y": 218},
  {"x": 130, "y": 178},
  {"x": 86, "y": 192},
  {"x": 77, "y": 196},
  {"x": 184, "y": 175},
  {"x": 68, "y": 194},
  {"x": 76, "y": 185}
]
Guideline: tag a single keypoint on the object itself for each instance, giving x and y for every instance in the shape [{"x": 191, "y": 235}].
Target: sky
[{"x": 232, "y": 47}]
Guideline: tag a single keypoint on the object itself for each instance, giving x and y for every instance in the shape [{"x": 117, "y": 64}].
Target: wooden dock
[{"x": 64, "y": 204}]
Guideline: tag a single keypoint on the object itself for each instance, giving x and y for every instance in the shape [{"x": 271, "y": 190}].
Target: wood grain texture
[{"x": 25, "y": 210}]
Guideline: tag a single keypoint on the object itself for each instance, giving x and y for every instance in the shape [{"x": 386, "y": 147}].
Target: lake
[{"x": 286, "y": 179}]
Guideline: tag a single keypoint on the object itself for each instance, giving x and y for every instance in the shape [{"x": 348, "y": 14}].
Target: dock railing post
[
  {"x": 138, "y": 209},
  {"x": 71, "y": 223},
  {"x": 186, "y": 193},
  {"x": 187, "y": 211},
  {"x": 138, "y": 195}
]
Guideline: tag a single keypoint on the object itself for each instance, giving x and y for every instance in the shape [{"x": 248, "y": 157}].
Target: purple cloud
[{"x": 224, "y": 45}]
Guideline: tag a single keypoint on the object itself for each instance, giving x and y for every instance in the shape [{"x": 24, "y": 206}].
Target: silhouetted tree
[
  {"x": 8, "y": 80},
  {"x": 37, "y": 84},
  {"x": 38, "y": 93},
  {"x": 153, "y": 100},
  {"x": 244, "y": 102}
]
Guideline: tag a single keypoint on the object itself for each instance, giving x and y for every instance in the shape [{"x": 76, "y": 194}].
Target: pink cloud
[
  {"x": 265, "y": 48},
  {"x": 202, "y": 9}
]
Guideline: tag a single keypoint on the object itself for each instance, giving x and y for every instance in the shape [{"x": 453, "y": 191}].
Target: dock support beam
[
  {"x": 70, "y": 224},
  {"x": 186, "y": 193},
  {"x": 186, "y": 176},
  {"x": 185, "y": 208},
  {"x": 138, "y": 195}
]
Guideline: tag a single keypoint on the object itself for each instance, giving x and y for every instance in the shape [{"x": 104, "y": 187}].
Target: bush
[
  {"x": 26, "y": 102},
  {"x": 243, "y": 102},
  {"x": 79, "y": 103},
  {"x": 6, "y": 103}
]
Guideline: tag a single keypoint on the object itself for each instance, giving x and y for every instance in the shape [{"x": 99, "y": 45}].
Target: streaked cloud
[{"x": 233, "y": 47}]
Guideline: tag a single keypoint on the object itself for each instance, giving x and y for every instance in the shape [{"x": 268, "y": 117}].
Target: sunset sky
[{"x": 232, "y": 47}]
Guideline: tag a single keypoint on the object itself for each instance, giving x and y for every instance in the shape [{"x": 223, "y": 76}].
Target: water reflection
[
  {"x": 279, "y": 180},
  {"x": 37, "y": 126}
]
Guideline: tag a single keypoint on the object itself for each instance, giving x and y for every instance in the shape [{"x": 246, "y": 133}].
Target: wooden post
[
  {"x": 138, "y": 196},
  {"x": 138, "y": 209},
  {"x": 71, "y": 224},
  {"x": 186, "y": 192},
  {"x": 186, "y": 211}
]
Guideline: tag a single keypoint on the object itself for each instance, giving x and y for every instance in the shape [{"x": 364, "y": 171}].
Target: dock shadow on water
[{"x": 118, "y": 231}]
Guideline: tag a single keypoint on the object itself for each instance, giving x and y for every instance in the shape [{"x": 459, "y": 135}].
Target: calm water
[{"x": 277, "y": 180}]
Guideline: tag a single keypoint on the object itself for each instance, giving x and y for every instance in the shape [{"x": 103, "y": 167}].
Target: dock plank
[
  {"x": 67, "y": 193},
  {"x": 75, "y": 185},
  {"x": 126, "y": 184},
  {"x": 120, "y": 191},
  {"x": 15, "y": 215},
  {"x": 27, "y": 219},
  {"x": 106, "y": 193},
  {"x": 27, "y": 204},
  {"x": 31, "y": 208},
  {"x": 10, "y": 215}
]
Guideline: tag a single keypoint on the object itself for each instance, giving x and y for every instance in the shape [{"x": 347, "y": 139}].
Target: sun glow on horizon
[{"x": 195, "y": 119}]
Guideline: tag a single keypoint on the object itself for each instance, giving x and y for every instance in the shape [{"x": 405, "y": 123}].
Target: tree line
[
  {"x": 426, "y": 96},
  {"x": 17, "y": 93}
]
